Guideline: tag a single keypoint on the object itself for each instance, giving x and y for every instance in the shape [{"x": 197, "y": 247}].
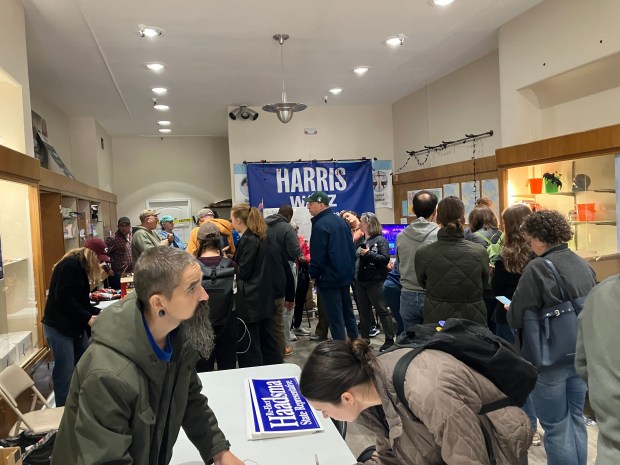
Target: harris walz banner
[{"x": 347, "y": 183}]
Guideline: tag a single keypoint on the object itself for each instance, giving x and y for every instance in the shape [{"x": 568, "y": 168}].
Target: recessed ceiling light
[
  {"x": 441, "y": 2},
  {"x": 159, "y": 90},
  {"x": 165, "y": 131},
  {"x": 161, "y": 107},
  {"x": 396, "y": 40},
  {"x": 149, "y": 31},
  {"x": 155, "y": 66},
  {"x": 335, "y": 91},
  {"x": 361, "y": 70},
  {"x": 164, "y": 123}
]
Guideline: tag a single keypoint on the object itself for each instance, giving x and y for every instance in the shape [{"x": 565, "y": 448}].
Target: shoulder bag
[{"x": 550, "y": 335}]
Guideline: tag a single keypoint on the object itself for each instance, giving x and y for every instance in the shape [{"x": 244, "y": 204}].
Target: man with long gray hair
[{"x": 137, "y": 385}]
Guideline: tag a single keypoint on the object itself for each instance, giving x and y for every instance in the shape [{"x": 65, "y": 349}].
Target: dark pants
[
  {"x": 225, "y": 348},
  {"x": 370, "y": 294},
  {"x": 303, "y": 281},
  {"x": 322, "y": 328},
  {"x": 258, "y": 345},
  {"x": 339, "y": 312},
  {"x": 391, "y": 293}
]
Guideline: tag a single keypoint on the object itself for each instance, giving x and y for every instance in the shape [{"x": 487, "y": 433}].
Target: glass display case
[
  {"x": 584, "y": 189},
  {"x": 19, "y": 316}
]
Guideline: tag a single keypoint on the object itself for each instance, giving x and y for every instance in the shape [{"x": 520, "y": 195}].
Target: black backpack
[
  {"x": 476, "y": 347},
  {"x": 220, "y": 283}
]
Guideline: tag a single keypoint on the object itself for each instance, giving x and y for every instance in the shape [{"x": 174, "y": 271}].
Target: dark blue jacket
[{"x": 331, "y": 248}]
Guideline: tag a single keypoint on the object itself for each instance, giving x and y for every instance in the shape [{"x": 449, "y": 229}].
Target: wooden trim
[
  {"x": 17, "y": 166},
  {"x": 34, "y": 360},
  {"x": 37, "y": 256},
  {"x": 577, "y": 145},
  {"x": 55, "y": 182},
  {"x": 451, "y": 170}
]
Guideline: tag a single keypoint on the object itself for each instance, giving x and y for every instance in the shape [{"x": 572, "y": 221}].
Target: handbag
[{"x": 549, "y": 336}]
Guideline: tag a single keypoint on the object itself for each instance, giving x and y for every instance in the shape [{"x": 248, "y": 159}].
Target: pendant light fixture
[{"x": 284, "y": 109}]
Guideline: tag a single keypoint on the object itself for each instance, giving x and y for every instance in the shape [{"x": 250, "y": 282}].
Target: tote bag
[{"x": 550, "y": 335}]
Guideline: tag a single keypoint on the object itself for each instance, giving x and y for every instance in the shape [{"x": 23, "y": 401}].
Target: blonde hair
[
  {"x": 252, "y": 218},
  {"x": 90, "y": 261}
]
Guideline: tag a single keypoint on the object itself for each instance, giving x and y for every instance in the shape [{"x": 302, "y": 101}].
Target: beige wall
[
  {"x": 105, "y": 170},
  {"x": 13, "y": 61},
  {"x": 344, "y": 132},
  {"x": 169, "y": 168},
  {"x": 463, "y": 102},
  {"x": 555, "y": 37},
  {"x": 58, "y": 132}
]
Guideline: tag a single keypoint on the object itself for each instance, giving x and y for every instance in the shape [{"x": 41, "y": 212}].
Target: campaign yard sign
[
  {"x": 276, "y": 408},
  {"x": 349, "y": 185}
]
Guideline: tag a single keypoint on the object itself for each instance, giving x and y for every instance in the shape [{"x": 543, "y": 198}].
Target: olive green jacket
[{"x": 125, "y": 406}]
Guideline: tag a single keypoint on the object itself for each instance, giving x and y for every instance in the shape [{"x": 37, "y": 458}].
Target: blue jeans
[
  {"x": 391, "y": 293},
  {"x": 558, "y": 397},
  {"x": 412, "y": 307},
  {"x": 66, "y": 351},
  {"x": 339, "y": 312}
]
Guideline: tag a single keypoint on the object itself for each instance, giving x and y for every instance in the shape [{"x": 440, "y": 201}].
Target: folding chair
[{"x": 13, "y": 382}]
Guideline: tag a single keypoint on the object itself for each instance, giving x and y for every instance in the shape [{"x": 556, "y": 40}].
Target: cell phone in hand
[
  {"x": 363, "y": 246},
  {"x": 503, "y": 299}
]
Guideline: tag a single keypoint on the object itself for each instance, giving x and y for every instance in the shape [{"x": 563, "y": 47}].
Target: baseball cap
[
  {"x": 208, "y": 229},
  {"x": 166, "y": 218},
  {"x": 98, "y": 246},
  {"x": 318, "y": 196},
  {"x": 146, "y": 213},
  {"x": 123, "y": 220},
  {"x": 204, "y": 212}
]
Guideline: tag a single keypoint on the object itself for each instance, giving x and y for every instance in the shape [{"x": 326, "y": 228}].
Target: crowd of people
[{"x": 257, "y": 274}]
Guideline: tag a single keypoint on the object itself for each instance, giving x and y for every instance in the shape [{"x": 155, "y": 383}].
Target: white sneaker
[
  {"x": 301, "y": 331},
  {"x": 292, "y": 336}
]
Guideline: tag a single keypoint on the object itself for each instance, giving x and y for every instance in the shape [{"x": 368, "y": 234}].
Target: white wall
[
  {"x": 104, "y": 159},
  {"x": 169, "y": 168},
  {"x": 84, "y": 149},
  {"x": 555, "y": 37},
  {"x": 463, "y": 102},
  {"x": 14, "y": 62},
  {"x": 58, "y": 132},
  {"x": 344, "y": 132}
]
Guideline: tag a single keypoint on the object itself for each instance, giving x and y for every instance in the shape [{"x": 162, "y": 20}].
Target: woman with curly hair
[
  {"x": 559, "y": 393},
  {"x": 439, "y": 425},
  {"x": 255, "y": 306}
]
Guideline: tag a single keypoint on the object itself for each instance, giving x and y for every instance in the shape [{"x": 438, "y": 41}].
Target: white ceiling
[{"x": 86, "y": 57}]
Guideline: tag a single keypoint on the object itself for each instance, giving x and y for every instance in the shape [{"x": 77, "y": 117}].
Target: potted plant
[{"x": 553, "y": 182}]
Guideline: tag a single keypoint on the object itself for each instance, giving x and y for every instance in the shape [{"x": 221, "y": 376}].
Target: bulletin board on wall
[{"x": 451, "y": 179}]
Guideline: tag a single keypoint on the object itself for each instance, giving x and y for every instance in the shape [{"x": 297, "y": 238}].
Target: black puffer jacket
[
  {"x": 455, "y": 273},
  {"x": 373, "y": 265}
]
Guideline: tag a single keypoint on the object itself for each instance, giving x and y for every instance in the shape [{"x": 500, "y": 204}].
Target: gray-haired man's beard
[{"x": 199, "y": 332}]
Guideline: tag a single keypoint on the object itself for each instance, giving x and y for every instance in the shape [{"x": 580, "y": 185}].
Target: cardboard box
[
  {"x": 10, "y": 456},
  {"x": 23, "y": 341},
  {"x": 8, "y": 355}
]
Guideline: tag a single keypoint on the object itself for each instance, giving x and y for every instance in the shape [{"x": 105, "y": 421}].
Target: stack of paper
[{"x": 276, "y": 408}]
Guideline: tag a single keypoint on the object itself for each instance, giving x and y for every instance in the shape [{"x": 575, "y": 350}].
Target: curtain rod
[{"x": 306, "y": 161}]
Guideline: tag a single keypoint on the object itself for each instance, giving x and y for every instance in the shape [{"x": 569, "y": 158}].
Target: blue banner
[{"x": 348, "y": 184}]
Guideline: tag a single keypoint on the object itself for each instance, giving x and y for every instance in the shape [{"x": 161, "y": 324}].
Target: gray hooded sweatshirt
[{"x": 418, "y": 234}]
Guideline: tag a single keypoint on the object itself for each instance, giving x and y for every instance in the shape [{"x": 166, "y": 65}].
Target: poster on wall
[
  {"x": 301, "y": 216},
  {"x": 39, "y": 128},
  {"x": 438, "y": 191},
  {"x": 241, "y": 193},
  {"x": 453, "y": 189},
  {"x": 348, "y": 184},
  {"x": 382, "y": 183},
  {"x": 51, "y": 152},
  {"x": 469, "y": 194},
  {"x": 410, "y": 195},
  {"x": 490, "y": 190}
]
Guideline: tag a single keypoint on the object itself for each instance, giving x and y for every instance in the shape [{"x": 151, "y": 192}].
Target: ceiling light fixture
[
  {"x": 284, "y": 109},
  {"x": 155, "y": 66},
  {"x": 159, "y": 90},
  {"x": 164, "y": 123},
  {"x": 441, "y": 2},
  {"x": 149, "y": 31},
  {"x": 361, "y": 70},
  {"x": 395, "y": 41},
  {"x": 335, "y": 91},
  {"x": 160, "y": 106},
  {"x": 244, "y": 112},
  {"x": 165, "y": 130}
]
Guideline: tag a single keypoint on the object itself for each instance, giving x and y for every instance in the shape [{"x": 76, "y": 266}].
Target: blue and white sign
[
  {"x": 279, "y": 409},
  {"x": 349, "y": 185}
]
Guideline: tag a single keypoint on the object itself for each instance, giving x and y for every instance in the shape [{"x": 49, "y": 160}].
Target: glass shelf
[{"x": 608, "y": 223}]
